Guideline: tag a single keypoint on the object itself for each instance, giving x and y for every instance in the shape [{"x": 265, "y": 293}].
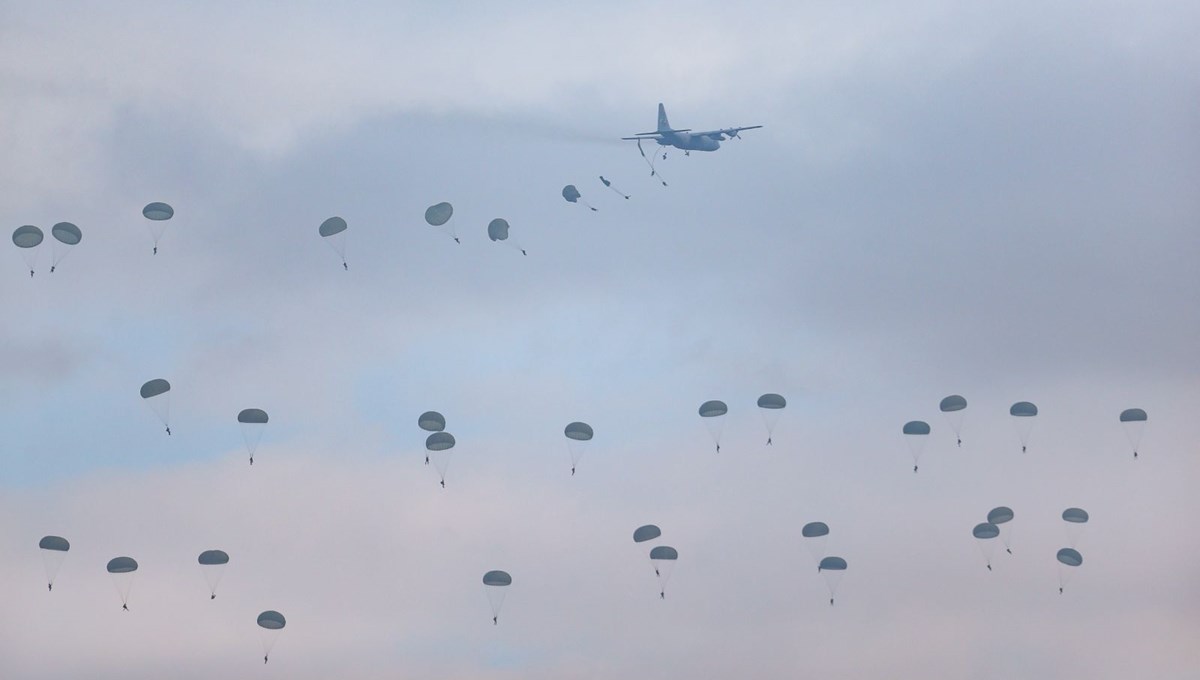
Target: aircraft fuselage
[{"x": 687, "y": 142}]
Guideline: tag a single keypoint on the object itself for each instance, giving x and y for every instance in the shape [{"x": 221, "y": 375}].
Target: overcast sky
[{"x": 996, "y": 200}]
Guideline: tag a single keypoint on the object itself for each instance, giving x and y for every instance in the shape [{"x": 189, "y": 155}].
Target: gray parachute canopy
[
  {"x": 155, "y": 387},
  {"x": 815, "y": 529},
  {"x": 711, "y": 409},
  {"x": 158, "y": 211},
  {"x": 498, "y": 229},
  {"x": 1023, "y": 409},
  {"x": 212, "y": 557},
  {"x": 1133, "y": 415},
  {"x": 916, "y": 427},
  {"x": 1000, "y": 515},
  {"x": 1075, "y": 515},
  {"x": 66, "y": 233},
  {"x": 431, "y": 421},
  {"x": 645, "y": 533},
  {"x": 438, "y": 214},
  {"x": 570, "y": 193},
  {"x": 985, "y": 530},
  {"x": 271, "y": 620},
  {"x": 664, "y": 552},
  {"x": 497, "y": 578},
  {"x": 331, "y": 226},
  {"x": 439, "y": 441},
  {"x": 952, "y": 403},
  {"x": 27, "y": 236},
  {"x": 54, "y": 543},
  {"x": 578, "y": 431},
  {"x": 1070, "y": 557},
  {"x": 772, "y": 401},
  {"x": 122, "y": 565},
  {"x": 832, "y": 564},
  {"x": 255, "y": 416}
]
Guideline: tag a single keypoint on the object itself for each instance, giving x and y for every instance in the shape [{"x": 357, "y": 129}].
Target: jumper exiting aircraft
[{"x": 685, "y": 139}]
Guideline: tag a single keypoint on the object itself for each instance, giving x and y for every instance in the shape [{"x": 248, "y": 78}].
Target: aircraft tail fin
[{"x": 663, "y": 125}]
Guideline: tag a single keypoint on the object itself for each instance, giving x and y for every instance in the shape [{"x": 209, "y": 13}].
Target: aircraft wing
[
  {"x": 659, "y": 134},
  {"x": 724, "y": 132}
]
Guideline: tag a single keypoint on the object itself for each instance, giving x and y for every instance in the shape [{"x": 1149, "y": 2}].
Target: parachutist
[
  {"x": 50, "y": 587},
  {"x": 718, "y": 448},
  {"x": 1060, "y": 590},
  {"x": 914, "y": 468},
  {"x": 155, "y": 250},
  {"x": 662, "y": 594},
  {"x": 52, "y": 269},
  {"x": 831, "y": 602},
  {"x": 443, "y": 483},
  {"x": 168, "y": 431},
  {"x": 264, "y": 658},
  {"x": 1134, "y": 453},
  {"x": 572, "y": 472},
  {"x": 1022, "y": 448},
  {"x": 495, "y": 620},
  {"x": 768, "y": 441},
  {"x": 427, "y": 460},
  {"x": 126, "y": 607},
  {"x": 1008, "y": 550},
  {"x": 960, "y": 443},
  {"x": 31, "y": 273},
  {"x": 656, "y": 572},
  {"x": 456, "y": 240},
  {"x": 345, "y": 266},
  {"x": 989, "y": 567},
  {"x": 213, "y": 596},
  {"x": 523, "y": 252}
]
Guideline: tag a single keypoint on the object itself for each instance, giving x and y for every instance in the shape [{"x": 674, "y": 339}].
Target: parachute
[
  {"x": 1023, "y": 412},
  {"x": 253, "y": 422},
  {"x": 438, "y": 215},
  {"x": 1076, "y": 521},
  {"x": 987, "y": 534},
  {"x": 439, "y": 445},
  {"x": 816, "y": 535},
  {"x": 1069, "y": 560},
  {"x": 497, "y": 230},
  {"x": 916, "y": 432},
  {"x": 271, "y": 622},
  {"x": 1001, "y": 516},
  {"x": 648, "y": 532},
  {"x": 27, "y": 238},
  {"x": 158, "y": 214},
  {"x": 54, "y": 552},
  {"x": 495, "y": 586},
  {"x": 953, "y": 406},
  {"x": 1134, "y": 422},
  {"x": 431, "y": 421},
  {"x": 122, "y": 570},
  {"x": 663, "y": 558},
  {"x": 832, "y": 568},
  {"x": 614, "y": 189},
  {"x": 157, "y": 395},
  {"x": 66, "y": 236},
  {"x": 771, "y": 405},
  {"x": 572, "y": 195},
  {"x": 333, "y": 231},
  {"x": 212, "y": 563},
  {"x": 713, "y": 412},
  {"x": 578, "y": 434}
]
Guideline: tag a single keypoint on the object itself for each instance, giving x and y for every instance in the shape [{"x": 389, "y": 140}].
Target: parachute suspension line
[
  {"x": 614, "y": 189},
  {"x": 653, "y": 172}
]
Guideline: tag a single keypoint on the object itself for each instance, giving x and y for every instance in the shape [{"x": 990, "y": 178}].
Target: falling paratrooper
[{"x": 572, "y": 195}]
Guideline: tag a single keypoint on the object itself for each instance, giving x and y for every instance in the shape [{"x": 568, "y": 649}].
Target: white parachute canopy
[
  {"x": 832, "y": 568},
  {"x": 816, "y": 536},
  {"x": 1023, "y": 413},
  {"x": 438, "y": 215},
  {"x": 54, "y": 552},
  {"x": 953, "y": 407},
  {"x": 578, "y": 435},
  {"x": 498, "y": 231},
  {"x": 157, "y": 396},
  {"x": 157, "y": 215},
  {"x": 916, "y": 433},
  {"x": 663, "y": 557},
  {"x": 771, "y": 405},
  {"x": 1001, "y": 516},
  {"x": 122, "y": 570},
  {"x": 986, "y": 535},
  {"x": 438, "y": 447},
  {"x": 270, "y": 623},
  {"x": 333, "y": 231},
  {"x": 252, "y": 421},
  {"x": 27, "y": 239},
  {"x": 713, "y": 413},
  {"x": 212, "y": 564},
  {"x": 647, "y": 532},
  {"x": 495, "y": 586},
  {"x": 1075, "y": 520},
  {"x": 1134, "y": 422},
  {"x": 66, "y": 237}
]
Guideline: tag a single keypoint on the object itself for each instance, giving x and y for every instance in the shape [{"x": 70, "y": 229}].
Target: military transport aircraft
[{"x": 665, "y": 135}]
